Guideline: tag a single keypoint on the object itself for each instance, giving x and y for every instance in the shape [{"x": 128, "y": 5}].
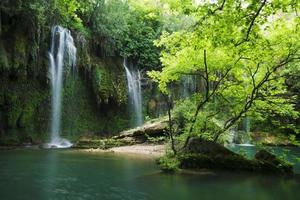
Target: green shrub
[{"x": 168, "y": 163}]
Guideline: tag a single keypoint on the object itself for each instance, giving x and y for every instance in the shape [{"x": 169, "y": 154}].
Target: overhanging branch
[{"x": 246, "y": 38}]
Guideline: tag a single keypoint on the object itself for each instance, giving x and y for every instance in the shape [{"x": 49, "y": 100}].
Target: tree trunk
[{"x": 171, "y": 132}]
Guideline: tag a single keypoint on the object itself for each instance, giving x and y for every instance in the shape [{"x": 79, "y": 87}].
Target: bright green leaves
[
  {"x": 247, "y": 45},
  {"x": 68, "y": 10},
  {"x": 124, "y": 28}
]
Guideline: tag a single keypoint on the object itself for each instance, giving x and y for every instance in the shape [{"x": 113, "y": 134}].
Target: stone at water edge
[
  {"x": 264, "y": 155},
  {"x": 197, "y": 145},
  {"x": 271, "y": 160},
  {"x": 200, "y": 154}
]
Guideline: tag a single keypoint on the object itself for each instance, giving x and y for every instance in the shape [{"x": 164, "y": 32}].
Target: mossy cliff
[{"x": 94, "y": 100}]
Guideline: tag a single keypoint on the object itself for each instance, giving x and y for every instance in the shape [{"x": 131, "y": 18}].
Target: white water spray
[
  {"x": 135, "y": 92},
  {"x": 62, "y": 52}
]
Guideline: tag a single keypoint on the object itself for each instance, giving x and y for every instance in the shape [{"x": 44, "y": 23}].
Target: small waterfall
[
  {"x": 189, "y": 85},
  {"x": 242, "y": 136},
  {"x": 246, "y": 129},
  {"x": 247, "y": 124},
  {"x": 135, "y": 91},
  {"x": 62, "y": 52}
]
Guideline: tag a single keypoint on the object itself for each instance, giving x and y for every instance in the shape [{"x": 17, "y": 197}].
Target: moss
[
  {"x": 10, "y": 141},
  {"x": 3, "y": 57},
  {"x": 228, "y": 162},
  {"x": 81, "y": 114},
  {"x": 28, "y": 102},
  {"x": 100, "y": 143},
  {"x": 78, "y": 110},
  {"x": 231, "y": 162},
  {"x": 201, "y": 154},
  {"x": 20, "y": 51},
  {"x": 25, "y": 92},
  {"x": 102, "y": 85},
  {"x": 169, "y": 163},
  {"x": 22, "y": 100},
  {"x": 108, "y": 81}
]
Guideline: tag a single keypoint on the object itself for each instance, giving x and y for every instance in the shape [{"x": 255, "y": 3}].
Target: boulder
[
  {"x": 266, "y": 156},
  {"x": 270, "y": 162},
  {"x": 201, "y": 154},
  {"x": 139, "y": 135},
  {"x": 154, "y": 128},
  {"x": 198, "y": 145}
]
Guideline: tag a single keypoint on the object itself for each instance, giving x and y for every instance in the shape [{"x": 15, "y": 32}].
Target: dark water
[{"x": 55, "y": 174}]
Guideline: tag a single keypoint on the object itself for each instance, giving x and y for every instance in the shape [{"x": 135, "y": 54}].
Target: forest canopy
[{"x": 244, "y": 53}]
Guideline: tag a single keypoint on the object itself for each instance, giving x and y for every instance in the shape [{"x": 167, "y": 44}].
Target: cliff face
[{"x": 93, "y": 101}]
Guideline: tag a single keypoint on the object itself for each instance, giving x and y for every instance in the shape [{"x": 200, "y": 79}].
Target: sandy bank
[{"x": 142, "y": 149}]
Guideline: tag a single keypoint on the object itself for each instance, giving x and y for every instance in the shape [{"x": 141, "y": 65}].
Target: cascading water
[
  {"x": 62, "y": 52},
  {"x": 135, "y": 92},
  {"x": 189, "y": 85},
  {"x": 241, "y": 135},
  {"x": 246, "y": 130}
]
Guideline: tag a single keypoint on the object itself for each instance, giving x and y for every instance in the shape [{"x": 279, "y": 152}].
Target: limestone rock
[{"x": 152, "y": 128}]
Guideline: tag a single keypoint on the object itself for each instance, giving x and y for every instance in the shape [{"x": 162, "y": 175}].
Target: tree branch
[
  {"x": 207, "y": 96},
  {"x": 206, "y": 75},
  {"x": 254, "y": 95},
  {"x": 252, "y": 23},
  {"x": 211, "y": 12},
  {"x": 218, "y": 8}
]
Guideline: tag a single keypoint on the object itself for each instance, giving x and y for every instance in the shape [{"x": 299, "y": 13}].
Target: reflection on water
[
  {"x": 292, "y": 154},
  {"x": 50, "y": 171},
  {"x": 64, "y": 174}
]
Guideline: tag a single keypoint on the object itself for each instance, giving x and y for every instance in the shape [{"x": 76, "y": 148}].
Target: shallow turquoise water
[
  {"x": 66, "y": 174},
  {"x": 291, "y": 154}
]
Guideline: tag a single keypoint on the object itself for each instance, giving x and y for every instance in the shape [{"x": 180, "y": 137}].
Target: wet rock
[
  {"x": 266, "y": 156},
  {"x": 19, "y": 122},
  {"x": 27, "y": 141},
  {"x": 197, "y": 145},
  {"x": 201, "y": 154},
  {"x": 271, "y": 163}
]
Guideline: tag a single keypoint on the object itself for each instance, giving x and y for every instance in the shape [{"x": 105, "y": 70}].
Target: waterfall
[
  {"x": 246, "y": 124},
  {"x": 62, "y": 52},
  {"x": 135, "y": 92},
  {"x": 246, "y": 129},
  {"x": 189, "y": 85},
  {"x": 242, "y": 134}
]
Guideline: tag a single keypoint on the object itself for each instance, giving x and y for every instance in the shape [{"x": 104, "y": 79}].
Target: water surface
[{"x": 66, "y": 174}]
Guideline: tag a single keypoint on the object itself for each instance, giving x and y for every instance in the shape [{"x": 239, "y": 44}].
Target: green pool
[{"x": 67, "y": 174}]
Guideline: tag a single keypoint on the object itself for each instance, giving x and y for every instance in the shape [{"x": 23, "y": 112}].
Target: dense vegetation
[
  {"x": 243, "y": 54},
  {"x": 103, "y": 37}
]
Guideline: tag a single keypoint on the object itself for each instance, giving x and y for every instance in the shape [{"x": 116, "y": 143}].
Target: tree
[{"x": 240, "y": 49}]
